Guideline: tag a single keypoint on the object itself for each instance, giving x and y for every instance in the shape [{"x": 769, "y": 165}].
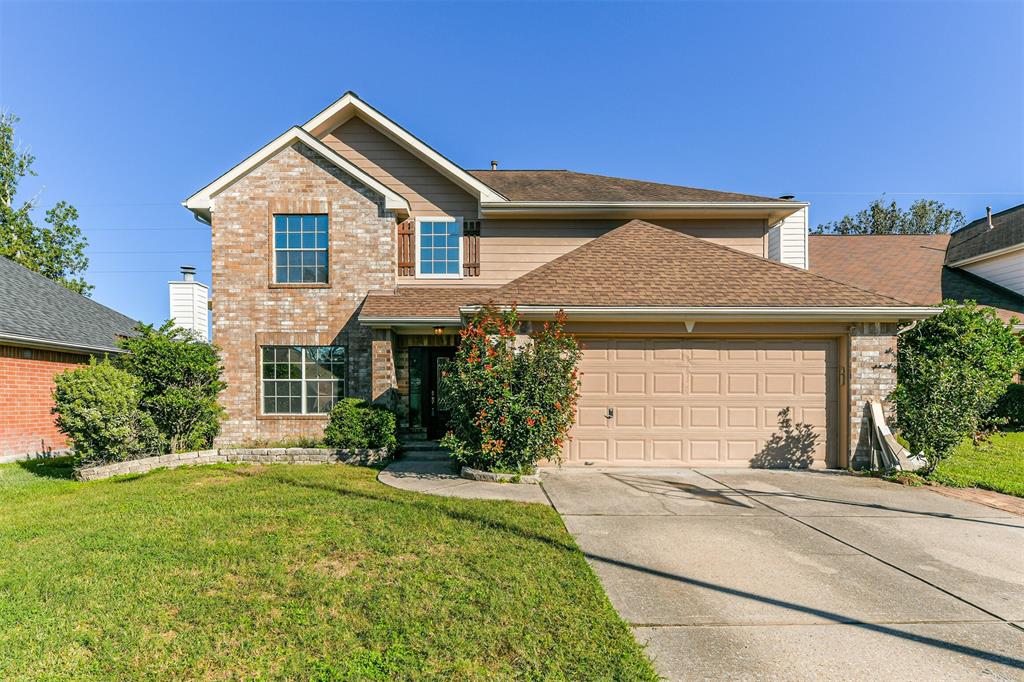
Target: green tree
[
  {"x": 57, "y": 250},
  {"x": 952, "y": 368},
  {"x": 180, "y": 379},
  {"x": 925, "y": 216}
]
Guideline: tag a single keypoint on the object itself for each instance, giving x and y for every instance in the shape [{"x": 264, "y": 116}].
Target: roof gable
[
  {"x": 349, "y": 105},
  {"x": 202, "y": 201},
  {"x": 38, "y": 311},
  {"x": 644, "y": 265}
]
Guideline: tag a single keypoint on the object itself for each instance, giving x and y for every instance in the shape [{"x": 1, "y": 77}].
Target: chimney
[
  {"x": 494, "y": 165},
  {"x": 189, "y": 303},
  {"x": 988, "y": 214}
]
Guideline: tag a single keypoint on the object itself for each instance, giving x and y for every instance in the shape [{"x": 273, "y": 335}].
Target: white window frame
[
  {"x": 303, "y": 380},
  {"x": 416, "y": 245}
]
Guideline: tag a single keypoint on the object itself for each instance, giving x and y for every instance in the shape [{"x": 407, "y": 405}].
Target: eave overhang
[
  {"x": 49, "y": 344},
  {"x": 985, "y": 256}
]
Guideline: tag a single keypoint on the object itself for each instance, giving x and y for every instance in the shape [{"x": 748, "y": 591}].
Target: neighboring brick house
[
  {"x": 45, "y": 329},
  {"x": 347, "y": 255}
]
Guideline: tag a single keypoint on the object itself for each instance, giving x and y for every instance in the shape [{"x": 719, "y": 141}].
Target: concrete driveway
[{"x": 776, "y": 575}]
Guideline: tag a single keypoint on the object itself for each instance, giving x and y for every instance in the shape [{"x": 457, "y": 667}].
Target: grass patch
[
  {"x": 302, "y": 572},
  {"x": 997, "y": 464}
]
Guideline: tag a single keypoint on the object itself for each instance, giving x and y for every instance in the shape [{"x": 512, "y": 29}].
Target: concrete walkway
[
  {"x": 770, "y": 575},
  {"x": 441, "y": 477}
]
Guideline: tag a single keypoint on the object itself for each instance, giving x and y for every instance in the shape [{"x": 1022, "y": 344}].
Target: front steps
[{"x": 424, "y": 451}]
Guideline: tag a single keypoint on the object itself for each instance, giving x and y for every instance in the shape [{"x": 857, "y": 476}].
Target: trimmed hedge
[{"x": 354, "y": 424}]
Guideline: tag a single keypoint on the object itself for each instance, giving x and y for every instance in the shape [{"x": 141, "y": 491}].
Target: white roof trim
[
  {"x": 987, "y": 255},
  {"x": 350, "y": 104},
  {"x": 202, "y": 200},
  {"x": 843, "y": 314},
  {"x": 422, "y": 321}
]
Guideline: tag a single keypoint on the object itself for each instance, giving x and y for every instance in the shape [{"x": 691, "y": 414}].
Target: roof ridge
[{"x": 985, "y": 218}]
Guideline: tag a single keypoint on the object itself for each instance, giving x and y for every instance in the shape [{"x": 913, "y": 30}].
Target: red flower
[{"x": 529, "y": 421}]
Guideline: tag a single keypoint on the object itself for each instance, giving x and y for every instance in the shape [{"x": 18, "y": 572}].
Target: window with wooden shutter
[
  {"x": 471, "y": 248},
  {"x": 407, "y": 248}
]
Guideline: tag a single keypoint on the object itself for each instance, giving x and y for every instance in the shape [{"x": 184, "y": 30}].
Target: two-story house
[{"x": 347, "y": 254}]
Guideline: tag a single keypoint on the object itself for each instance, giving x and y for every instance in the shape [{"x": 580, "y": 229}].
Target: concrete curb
[
  {"x": 494, "y": 477},
  {"x": 234, "y": 455}
]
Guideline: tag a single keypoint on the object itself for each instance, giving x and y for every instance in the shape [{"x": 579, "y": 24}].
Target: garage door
[{"x": 706, "y": 402}]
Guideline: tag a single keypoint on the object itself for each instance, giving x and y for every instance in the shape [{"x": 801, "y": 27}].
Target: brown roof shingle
[
  {"x": 976, "y": 238},
  {"x": 424, "y": 302},
  {"x": 907, "y": 267},
  {"x": 564, "y": 185},
  {"x": 644, "y": 265}
]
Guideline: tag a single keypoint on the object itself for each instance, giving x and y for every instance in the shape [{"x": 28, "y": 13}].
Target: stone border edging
[
  {"x": 494, "y": 477},
  {"x": 234, "y": 455}
]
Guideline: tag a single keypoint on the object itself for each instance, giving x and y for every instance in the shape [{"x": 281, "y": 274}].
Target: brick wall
[
  {"x": 250, "y": 311},
  {"x": 872, "y": 376},
  {"x": 26, "y": 386}
]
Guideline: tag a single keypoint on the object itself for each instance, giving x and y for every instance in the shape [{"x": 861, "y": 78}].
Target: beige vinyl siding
[
  {"x": 511, "y": 248},
  {"x": 427, "y": 191},
  {"x": 1006, "y": 270},
  {"x": 787, "y": 240}
]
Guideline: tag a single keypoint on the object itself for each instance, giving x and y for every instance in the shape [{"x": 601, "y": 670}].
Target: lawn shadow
[{"x": 49, "y": 467}]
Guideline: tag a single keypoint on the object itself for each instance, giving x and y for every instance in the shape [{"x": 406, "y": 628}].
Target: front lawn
[
  {"x": 302, "y": 572},
  {"x": 995, "y": 465}
]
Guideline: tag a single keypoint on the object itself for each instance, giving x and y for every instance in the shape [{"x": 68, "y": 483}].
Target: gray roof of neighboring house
[
  {"x": 38, "y": 310},
  {"x": 977, "y": 239}
]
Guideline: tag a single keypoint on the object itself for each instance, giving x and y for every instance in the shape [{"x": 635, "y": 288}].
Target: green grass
[
  {"x": 300, "y": 572},
  {"x": 995, "y": 465}
]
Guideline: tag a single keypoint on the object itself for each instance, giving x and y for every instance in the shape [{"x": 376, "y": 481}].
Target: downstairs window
[{"x": 302, "y": 379}]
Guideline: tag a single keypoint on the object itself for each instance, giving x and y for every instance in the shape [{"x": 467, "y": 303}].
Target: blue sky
[{"x": 131, "y": 107}]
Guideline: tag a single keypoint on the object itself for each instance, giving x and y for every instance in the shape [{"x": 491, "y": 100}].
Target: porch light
[{"x": 438, "y": 331}]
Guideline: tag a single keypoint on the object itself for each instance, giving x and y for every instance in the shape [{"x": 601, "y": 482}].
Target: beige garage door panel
[{"x": 709, "y": 402}]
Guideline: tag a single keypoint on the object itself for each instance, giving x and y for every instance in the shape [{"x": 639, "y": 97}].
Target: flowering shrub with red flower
[{"x": 512, "y": 398}]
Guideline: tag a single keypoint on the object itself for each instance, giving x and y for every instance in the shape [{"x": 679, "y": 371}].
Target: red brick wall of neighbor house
[
  {"x": 248, "y": 311},
  {"x": 26, "y": 387}
]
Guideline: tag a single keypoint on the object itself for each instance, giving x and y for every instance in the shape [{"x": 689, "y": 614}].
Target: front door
[{"x": 425, "y": 367}]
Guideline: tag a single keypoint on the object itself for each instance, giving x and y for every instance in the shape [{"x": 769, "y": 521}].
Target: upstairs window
[
  {"x": 300, "y": 249},
  {"x": 439, "y": 252},
  {"x": 302, "y": 379}
]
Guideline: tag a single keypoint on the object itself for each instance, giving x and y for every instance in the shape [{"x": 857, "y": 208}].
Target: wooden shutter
[
  {"x": 407, "y": 248},
  {"x": 471, "y": 248}
]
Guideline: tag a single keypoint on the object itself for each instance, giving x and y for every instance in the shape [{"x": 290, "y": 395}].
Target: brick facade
[
  {"x": 26, "y": 377},
  {"x": 249, "y": 310},
  {"x": 872, "y": 376}
]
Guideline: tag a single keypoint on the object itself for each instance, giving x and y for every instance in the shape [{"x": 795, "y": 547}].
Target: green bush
[
  {"x": 952, "y": 369},
  {"x": 1009, "y": 409},
  {"x": 98, "y": 408},
  {"x": 511, "y": 403},
  {"x": 379, "y": 427},
  {"x": 353, "y": 424},
  {"x": 180, "y": 382}
]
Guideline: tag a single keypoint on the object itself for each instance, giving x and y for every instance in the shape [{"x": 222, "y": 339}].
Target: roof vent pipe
[
  {"x": 988, "y": 214},
  {"x": 494, "y": 165}
]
